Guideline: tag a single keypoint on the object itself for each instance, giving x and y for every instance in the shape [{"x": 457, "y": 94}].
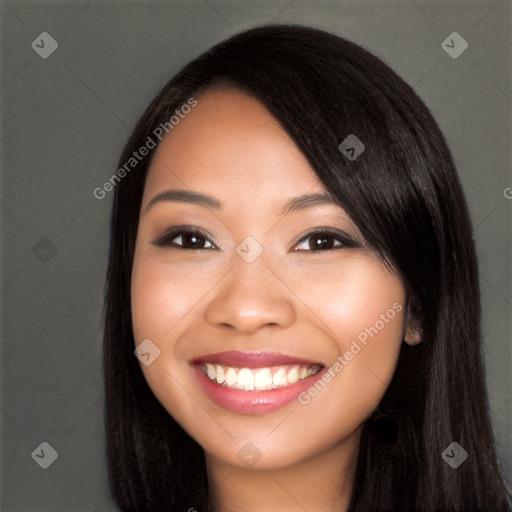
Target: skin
[{"x": 291, "y": 299}]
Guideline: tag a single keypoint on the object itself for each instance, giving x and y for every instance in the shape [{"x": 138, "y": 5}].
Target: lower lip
[{"x": 253, "y": 402}]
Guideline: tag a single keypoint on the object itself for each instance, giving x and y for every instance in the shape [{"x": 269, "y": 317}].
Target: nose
[{"x": 251, "y": 296}]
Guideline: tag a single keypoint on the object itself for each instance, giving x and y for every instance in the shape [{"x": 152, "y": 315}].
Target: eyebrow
[
  {"x": 185, "y": 196},
  {"x": 294, "y": 204},
  {"x": 308, "y": 201}
]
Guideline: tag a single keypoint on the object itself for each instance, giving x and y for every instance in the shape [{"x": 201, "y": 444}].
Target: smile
[
  {"x": 254, "y": 382},
  {"x": 258, "y": 378}
]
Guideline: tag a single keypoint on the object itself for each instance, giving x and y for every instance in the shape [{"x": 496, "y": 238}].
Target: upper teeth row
[{"x": 259, "y": 378}]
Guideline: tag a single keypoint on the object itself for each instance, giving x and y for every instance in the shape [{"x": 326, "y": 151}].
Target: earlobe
[
  {"x": 413, "y": 332},
  {"x": 412, "y": 336}
]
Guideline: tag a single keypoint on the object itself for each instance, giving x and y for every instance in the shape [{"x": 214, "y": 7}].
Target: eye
[
  {"x": 325, "y": 240},
  {"x": 185, "y": 238}
]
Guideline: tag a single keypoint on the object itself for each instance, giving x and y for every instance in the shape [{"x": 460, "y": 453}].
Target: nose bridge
[{"x": 251, "y": 295}]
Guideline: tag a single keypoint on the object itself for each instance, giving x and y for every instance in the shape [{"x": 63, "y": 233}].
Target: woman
[{"x": 292, "y": 303}]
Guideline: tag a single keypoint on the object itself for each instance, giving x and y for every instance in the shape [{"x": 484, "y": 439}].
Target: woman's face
[{"x": 276, "y": 339}]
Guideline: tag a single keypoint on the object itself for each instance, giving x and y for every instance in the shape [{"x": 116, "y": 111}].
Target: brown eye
[
  {"x": 322, "y": 241},
  {"x": 326, "y": 240},
  {"x": 192, "y": 240},
  {"x": 185, "y": 239}
]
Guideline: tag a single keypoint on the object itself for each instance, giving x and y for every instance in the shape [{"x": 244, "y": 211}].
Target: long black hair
[{"x": 404, "y": 195}]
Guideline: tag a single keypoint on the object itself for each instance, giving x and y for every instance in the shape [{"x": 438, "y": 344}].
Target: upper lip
[{"x": 238, "y": 359}]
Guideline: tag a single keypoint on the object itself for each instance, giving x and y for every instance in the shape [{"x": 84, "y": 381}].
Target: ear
[{"x": 413, "y": 332}]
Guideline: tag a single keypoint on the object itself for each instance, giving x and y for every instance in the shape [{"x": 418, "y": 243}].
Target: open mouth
[
  {"x": 254, "y": 382},
  {"x": 261, "y": 379}
]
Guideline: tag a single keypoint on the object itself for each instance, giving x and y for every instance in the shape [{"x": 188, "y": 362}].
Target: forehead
[{"x": 231, "y": 146}]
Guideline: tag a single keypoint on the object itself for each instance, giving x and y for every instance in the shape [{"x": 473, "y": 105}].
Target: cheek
[
  {"x": 360, "y": 299},
  {"x": 357, "y": 298},
  {"x": 162, "y": 295},
  {"x": 161, "y": 300},
  {"x": 364, "y": 315},
  {"x": 369, "y": 313},
  {"x": 167, "y": 302},
  {"x": 155, "y": 303}
]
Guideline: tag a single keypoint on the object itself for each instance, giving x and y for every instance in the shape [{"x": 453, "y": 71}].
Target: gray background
[{"x": 65, "y": 120}]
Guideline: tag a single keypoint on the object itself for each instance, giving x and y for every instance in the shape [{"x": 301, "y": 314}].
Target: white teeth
[
  {"x": 293, "y": 376},
  {"x": 210, "y": 371},
  {"x": 279, "y": 378},
  {"x": 230, "y": 377},
  {"x": 220, "y": 374},
  {"x": 263, "y": 379},
  {"x": 245, "y": 379},
  {"x": 259, "y": 378}
]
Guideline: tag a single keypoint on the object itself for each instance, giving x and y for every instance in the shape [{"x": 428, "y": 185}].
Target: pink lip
[
  {"x": 256, "y": 401},
  {"x": 251, "y": 359}
]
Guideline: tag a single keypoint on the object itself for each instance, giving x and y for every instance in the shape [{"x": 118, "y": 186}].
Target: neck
[{"x": 322, "y": 483}]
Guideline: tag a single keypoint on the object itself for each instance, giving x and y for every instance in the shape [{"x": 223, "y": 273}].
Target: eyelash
[{"x": 166, "y": 240}]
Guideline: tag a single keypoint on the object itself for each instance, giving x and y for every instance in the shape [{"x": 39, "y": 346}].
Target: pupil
[
  {"x": 321, "y": 241},
  {"x": 192, "y": 240}
]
